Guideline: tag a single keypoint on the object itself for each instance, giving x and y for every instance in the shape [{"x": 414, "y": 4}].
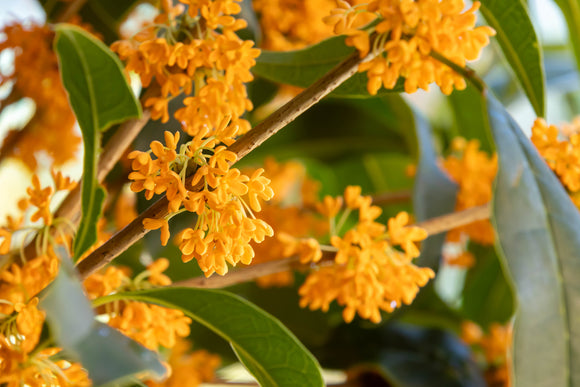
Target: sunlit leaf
[
  {"x": 519, "y": 43},
  {"x": 268, "y": 349},
  {"x": 100, "y": 96}
]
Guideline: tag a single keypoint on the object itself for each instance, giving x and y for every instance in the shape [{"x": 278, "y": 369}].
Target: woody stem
[
  {"x": 432, "y": 226},
  {"x": 244, "y": 145}
]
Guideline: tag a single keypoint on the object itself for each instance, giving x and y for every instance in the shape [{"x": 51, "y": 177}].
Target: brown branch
[
  {"x": 70, "y": 208},
  {"x": 432, "y": 226},
  {"x": 244, "y": 145},
  {"x": 114, "y": 149},
  {"x": 392, "y": 197}
]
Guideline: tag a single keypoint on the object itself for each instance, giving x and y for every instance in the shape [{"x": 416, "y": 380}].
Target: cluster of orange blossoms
[
  {"x": 368, "y": 273},
  {"x": 291, "y": 213},
  {"x": 474, "y": 171},
  {"x": 20, "y": 283},
  {"x": 189, "y": 368},
  {"x": 563, "y": 156},
  {"x": 495, "y": 347},
  {"x": 21, "y": 321},
  {"x": 148, "y": 324},
  {"x": 293, "y": 24},
  {"x": 407, "y": 35},
  {"x": 36, "y": 76},
  {"x": 224, "y": 204},
  {"x": 218, "y": 65},
  {"x": 184, "y": 54}
]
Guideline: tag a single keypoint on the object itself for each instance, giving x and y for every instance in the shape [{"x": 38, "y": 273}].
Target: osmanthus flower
[
  {"x": 368, "y": 273},
  {"x": 495, "y": 347},
  {"x": 188, "y": 368},
  {"x": 196, "y": 53},
  {"x": 20, "y": 362},
  {"x": 407, "y": 34},
  {"x": 290, "y": 213},
  {"x": 150, "y": 325},
  {"x": 474, "y": 171},
  {"x": 561, "y": 150},
  {"x": 36, "y": 76},
  {"x": 23, "y": 277},
  {"x": 291, "y": 25},
  {"x": 217, "y": 194}
]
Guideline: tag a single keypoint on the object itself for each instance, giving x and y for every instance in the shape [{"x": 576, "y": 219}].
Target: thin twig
[
  {"x": 69, "y": 10},
  {"x": 244, "y": 145},
  {"x": 432, "y": 226},
  {"x": 392, "y": 197},
  {"x": 466, "y": 72},
  {"x": 114, "y": 149}
]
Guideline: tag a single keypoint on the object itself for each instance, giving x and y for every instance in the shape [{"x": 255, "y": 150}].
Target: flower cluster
[
  {"x": 474, "y": 171},
  {"x": 184, "y": 54},
  {"x": 495, "y": 348},
  {"x": 21, "y": 281},
  {"x": 291, "y": 215},
  {"x": 563, "y": 156},
  {"x": 36, "y": 76},
  {"x": 406, "y": 36},
  {"x": 368, "y": 273},
  {"x": 189, "y": 368},
  {"x": 290, "y": 25},
  {"x": 224, "y": 204},
  {"x": 150, "y": 325}
]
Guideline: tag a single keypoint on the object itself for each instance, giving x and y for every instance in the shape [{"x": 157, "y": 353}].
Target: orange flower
[
  {"x": 329, "y": 206},
  {"x": 155, "y": 224},
  {"x": 407, "y": 33},
  {"x": 368, "y": 274},
  {"x": 475, "y": 172}
]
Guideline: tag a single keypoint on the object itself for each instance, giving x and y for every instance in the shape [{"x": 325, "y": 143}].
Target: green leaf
[
  {"x": 100, "y": 96},
  {"x": 571, "y": 11},
  {"x": 267, "y": 348},
  {"x": 103, "y": 351},
  {"x": 537, "y": 226},
  {"x": 487, "y": 295},
  {"x": 470, "y": 116},
  {"x": 433, "y": 194},
  {"x": 303, "y": 67},
  {"x": 519, "y": 43}
]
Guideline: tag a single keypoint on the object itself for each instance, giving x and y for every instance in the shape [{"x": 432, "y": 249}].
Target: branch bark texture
[{"x": 244, "y": 145}]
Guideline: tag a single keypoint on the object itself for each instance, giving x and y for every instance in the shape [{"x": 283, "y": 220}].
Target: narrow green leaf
[
  {"x": 267, "y": 348},
  {"x": 433, "y": 194},
  {"x": 537, "y": 227},
  {"x": 100, "y": 96},
  {"x": 470, "y": 116},
  {"x": 104, "y": 352},
  {"x": 302, "y": 67},
  {"x": 571, "y": 11},
  {"x": 519, "y": 43}
]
